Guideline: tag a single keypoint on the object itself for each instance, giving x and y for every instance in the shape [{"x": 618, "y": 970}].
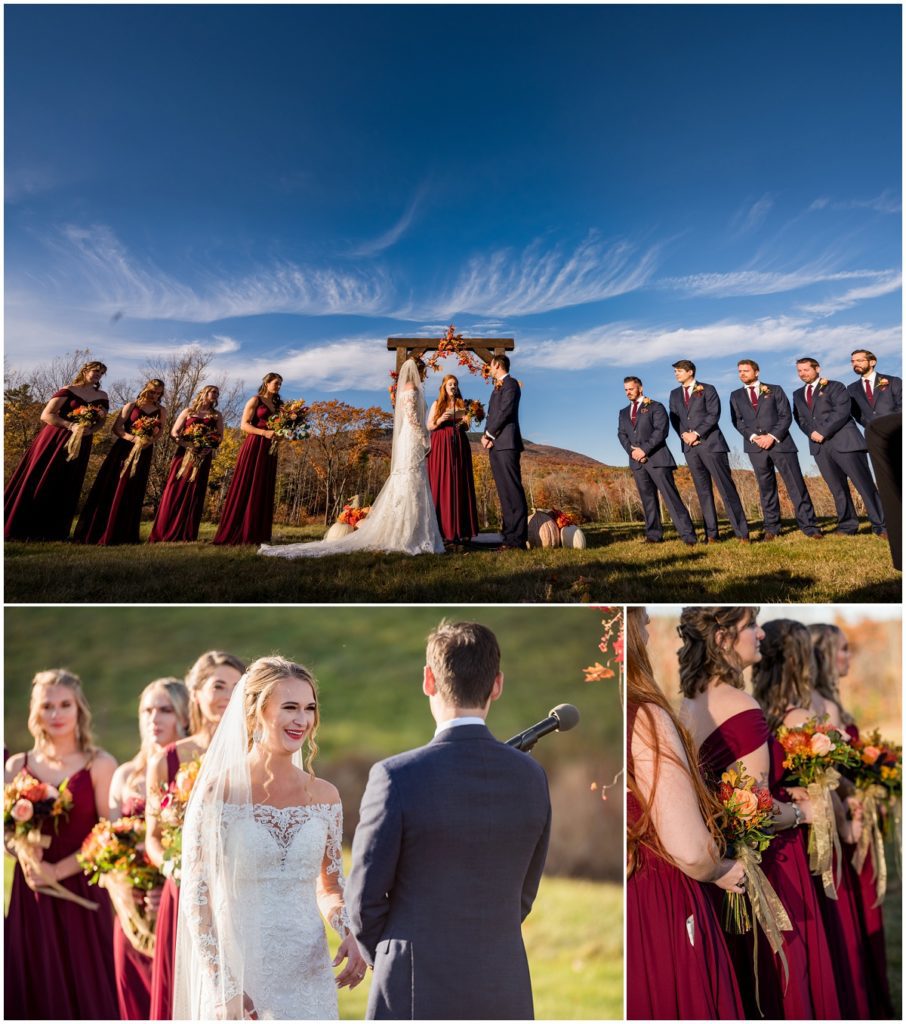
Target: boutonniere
[
  {"x": 644, "y": 402},
  {"x": 881, "y": 384},
  {"x": 764, "y": 390},
  {"x": 498, "y": 384},
  {"x": 698, "y": 389},
  {"x": 822, "y": 383}
]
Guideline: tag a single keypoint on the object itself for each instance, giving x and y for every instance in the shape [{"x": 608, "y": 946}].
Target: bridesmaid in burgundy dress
[
  {"x": 781, "y": 683},
  {"x": 43, "y": 492},
  {"x": 112, "y": 513},
  {"x": 832, "y": 658},
  {"x": 182, "y": 503},
  {"x": 163, "y": 716},
  {"x": 58, "y": 956},
  {"x": 248, "y": 511},
  {"x": 729, "y": 726},
  {"x": 210, "y": 681},
  {"x": 450, "y": 465},
  {"x": 677, "y": 963}
]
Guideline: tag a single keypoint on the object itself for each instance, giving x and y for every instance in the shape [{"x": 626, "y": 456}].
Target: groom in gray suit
[{"x": 448, "y": 853}]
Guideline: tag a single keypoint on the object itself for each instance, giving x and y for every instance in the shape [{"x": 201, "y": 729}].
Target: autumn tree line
[{"x": 346, "y": 455}]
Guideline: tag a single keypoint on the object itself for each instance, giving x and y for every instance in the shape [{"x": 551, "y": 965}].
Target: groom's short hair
[
  {"x": 633, "y": 380},
  {"x": 465, "y": 659},
  {"x": 749, "y": 362},
  {"x": 503, "y": 361},
  {"x": 684, "y": 364}
]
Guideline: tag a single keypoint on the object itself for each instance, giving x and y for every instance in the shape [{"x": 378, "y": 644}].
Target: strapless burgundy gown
[
  {"x": 453, "y": 483},
  {"x": 164, "y": 962},
  {"x": 811, "y": 993},
  {"x": 182, "y": 503},
  {"x": 43, "y": 492},
  {"x": 248, "y": 511},
  {"x": 58, "y": 956},
  {"x": 668, "y": 975},
  {"x": 133, "y": 969},
  {"x": 871, "y": 924},
  {"x": 112, "y": 513}
]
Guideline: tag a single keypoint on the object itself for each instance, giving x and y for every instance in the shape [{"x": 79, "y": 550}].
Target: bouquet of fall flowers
[
  {"x": 28, "y": 806},
  {"x": 113, "y": 854},
  {"x": 200, "y": 438},
  {"x": 353, "y": 516},
  {"x": 290, "y": 422},
  {"x": 748, "y": 813},
  {"x": 562, "y": 519},
  {"x": 85, "y": 417},
  {"x": 143, "y": 429},
  {"x": 174, "y": 799},
  {"x": 814, "y": 752},
  {"x": 879, "y": 782},
  {"x": 474, "y": 410}
]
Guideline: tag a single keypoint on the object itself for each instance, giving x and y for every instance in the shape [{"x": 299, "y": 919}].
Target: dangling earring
[{"x": 256, "y": 736}]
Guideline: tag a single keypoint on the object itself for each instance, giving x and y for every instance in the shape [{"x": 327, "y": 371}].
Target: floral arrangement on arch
[{"x": 611, "y": 647}]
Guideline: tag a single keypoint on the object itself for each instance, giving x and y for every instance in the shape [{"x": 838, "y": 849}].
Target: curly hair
[
  {"x": 60, "y": 677},
  {"x": 202, "y": 398},
  {"x": 782, "y": 680},
  {"x": 703, "y": 656},
  {"x": 826, "y": 678},
  {"x": 82, "y": 376},
  {"x": 152, "y": 385},
  {"x": 643, "y": 694}
]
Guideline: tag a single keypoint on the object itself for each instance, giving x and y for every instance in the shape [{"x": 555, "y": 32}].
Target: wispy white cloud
[
  {"x": 540, "y": 279},
  {"x": 21, "y": 183},
  {"x": 628, "y": 345},
  {"x": 393, "y": 234},
  {"x": 750, "y": 216},
  {"x": 886, "y": 202},
  {"x": 850, "y": 298},
  {"x": 763, "y": 282},
  {"x": 354, "y": 363}
]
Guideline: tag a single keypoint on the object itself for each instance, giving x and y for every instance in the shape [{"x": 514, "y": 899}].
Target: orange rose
[
  {"x": 870, "y": 755},
  {"x": 820, "y": 744},
  {"x": 746, "y": 802}
]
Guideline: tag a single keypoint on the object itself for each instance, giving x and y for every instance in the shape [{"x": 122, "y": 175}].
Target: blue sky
[{"x": 614, "y": 187}]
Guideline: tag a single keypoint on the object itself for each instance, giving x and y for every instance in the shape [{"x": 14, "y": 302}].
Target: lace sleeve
[
  {"x": 331, "y": 881},
  {"x": 197, "y": 911},
  {"x": 410, "y": 408}
]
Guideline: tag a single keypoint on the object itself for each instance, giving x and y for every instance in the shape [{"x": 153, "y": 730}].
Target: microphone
[{"x": 559, "y": 719}]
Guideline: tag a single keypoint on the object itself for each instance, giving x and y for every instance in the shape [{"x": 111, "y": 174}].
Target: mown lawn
[{"x": 616, "y": 567}]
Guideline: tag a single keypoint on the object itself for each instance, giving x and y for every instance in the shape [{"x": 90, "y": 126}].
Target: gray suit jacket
[{"x": 446, "y": 861}]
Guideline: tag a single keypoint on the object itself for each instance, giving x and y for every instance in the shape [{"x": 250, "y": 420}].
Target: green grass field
[{"x": 616, "y": 567}]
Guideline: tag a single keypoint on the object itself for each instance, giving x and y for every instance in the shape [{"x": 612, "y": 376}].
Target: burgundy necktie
[
  {"x": 869, "y": 394},
  {"x": 634, "y": 415},
  {"x": 686, "y": 397},
  {"x": 754, "y": 395},
  {"x": 808, "y": 395}
]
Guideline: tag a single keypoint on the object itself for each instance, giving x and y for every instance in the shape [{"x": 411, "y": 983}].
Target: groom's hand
[{"x": 486, "y": 442}]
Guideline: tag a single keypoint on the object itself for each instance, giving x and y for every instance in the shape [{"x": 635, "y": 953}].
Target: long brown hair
[
  {"x": 152, "y": 385},
  {"x": 179, "y": 696},
  {"x": 444, "y": 401},
  {"x": 82, "y": 376},
  {"x": 60, "y": 677},
  {"x": 826, "y": 679},
  {"x": 262, "y": 391},
  {"x": 642, "y": 694},
  {"x": 782, "y": 680},
  {"x": 702, "y": 656},
  {"x": 198, "y": 674}
]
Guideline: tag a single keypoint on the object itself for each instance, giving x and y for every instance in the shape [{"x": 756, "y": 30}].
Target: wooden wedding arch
[{"x": 484, "y": 348}]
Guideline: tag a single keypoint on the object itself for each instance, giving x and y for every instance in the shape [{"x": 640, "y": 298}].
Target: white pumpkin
[
  {"x": 337, "y": 531},
  {"x": 572, "y": 537},
  {"x": 536, "y": 520}
]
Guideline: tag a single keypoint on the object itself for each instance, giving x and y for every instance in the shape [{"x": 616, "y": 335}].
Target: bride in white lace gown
[
  {"x": 402, "y": 516},
  {"x": 262, "y": 862}
]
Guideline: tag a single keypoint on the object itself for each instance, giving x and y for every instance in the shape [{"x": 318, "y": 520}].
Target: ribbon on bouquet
[
  {"x": 21, "y": 848},
  {"x": 871, "y": 840},
  {"x": 767, "y": 910},
  {"x": 74, "y": 444},
  {"x": 131, "y": 463},
  {"x": 823, "y": 841},
  {"x": 191, "y": 458},
  {"x": 136, "y": 927},
  {"x": 895, "y": 816}
]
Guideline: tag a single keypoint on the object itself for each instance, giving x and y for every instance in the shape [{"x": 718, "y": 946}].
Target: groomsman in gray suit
[
  {"x": 762, "y": 414},
  {"x": 874, "y": 394},
  {"x": 823, "y": 411},
  {"x": 695, "y": 413},
  {"x": 642, "y": 428},
  {"x": 449, "y": 850}
]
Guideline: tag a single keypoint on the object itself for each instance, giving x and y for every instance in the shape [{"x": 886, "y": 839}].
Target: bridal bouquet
[
  {"x": 28, "y": 805},
  {"x": 353, "y": 516},
  {"x": 200, "y": 439},
  {"x": 879, "y": 782},
  {"x": 113, "y": 854},
  {"x": 173, "y": 802},
  {"x": 746, "y": 826},
  {"x": 814, "y": 752},
  {"x": 143, "y": 430},
  {"x": 289, "y": 422},
  {"x": 85, "y": 417}
]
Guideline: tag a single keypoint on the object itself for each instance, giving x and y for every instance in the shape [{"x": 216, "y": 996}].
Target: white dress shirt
[{"x": 451, "y": 723}]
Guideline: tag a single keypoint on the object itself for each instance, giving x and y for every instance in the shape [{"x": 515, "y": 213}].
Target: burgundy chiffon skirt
[
  {"x": 133, "y": 977},
  {"x": 453, "y": 483},
  {"x": 182, "y": 503},
  {"x": 164, "y": 964},
  {"x": 112, "y": 513},
  {"x": 248, "y": 512}
]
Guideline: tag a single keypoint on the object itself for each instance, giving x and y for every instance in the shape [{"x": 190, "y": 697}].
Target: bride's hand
[
  {"x": 240, "y": 1007},
  {"x": 354, "y": 971}
]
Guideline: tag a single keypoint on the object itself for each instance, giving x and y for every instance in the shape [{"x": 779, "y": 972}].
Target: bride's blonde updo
[
  {"x": 705, "y": 654},
  {"x": 260, "y": 679}
]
